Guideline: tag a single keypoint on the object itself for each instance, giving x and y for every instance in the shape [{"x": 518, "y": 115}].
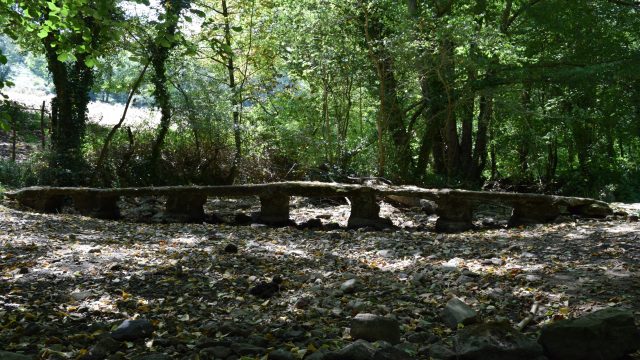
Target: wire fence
[{"x": 15, "y": 108}]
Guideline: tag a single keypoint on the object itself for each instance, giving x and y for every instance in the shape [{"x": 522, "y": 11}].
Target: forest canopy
[{"x": 530, "y": 95}]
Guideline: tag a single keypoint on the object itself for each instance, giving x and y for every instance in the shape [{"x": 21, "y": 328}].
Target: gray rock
[
  {"x": 244, "y": 349},
  {"x": 603, "y": 335},
  {"x": 154, "y": 356},
  {"x": 493, "y": 261},
  {"x": 350, "y": 286},
  {"x": 533, "y": 277},
  {"x": 464, "y": 279},
  {"x": 215, "y": 352},
  {"x": 321, "y": 354},
  {"x": 231, "y": 248},
  {"x": 391, "y": 353},
  {"x": 32, "y": 329},
  {"x": 358, "y": 350},
  {"x": 356, "y": 305},
  {"x": 281, "y": 354},
  {"x": 454, "y": 263},
  {"x": 495, "y": 341},
  {"x": 373, "y": 327},
  {"x": 457, "y": 312},
  {"x": 429, "y": 207},
  {"x": 131, "y": 330},
  {"x": 6, "y": 355},
  {"x": 386, "y": 253},
  {"x": 441, "y": 352},
  {"x": 420, "y": 338},
  {"x": 235, "y": 329},
  {"x": 81, "y": 295},
  {"x": 104, "y": 346}
]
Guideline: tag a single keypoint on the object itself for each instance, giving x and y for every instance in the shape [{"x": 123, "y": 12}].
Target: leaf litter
[{"x": 67, "y": 280}]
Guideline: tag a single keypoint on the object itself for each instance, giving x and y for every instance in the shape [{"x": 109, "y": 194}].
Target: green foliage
[{"x": 518, "y": 90}]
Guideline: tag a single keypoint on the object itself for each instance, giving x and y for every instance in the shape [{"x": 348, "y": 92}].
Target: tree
[
  {"x": 73, "y": 35},
  {"x": 167, "y": 37}
]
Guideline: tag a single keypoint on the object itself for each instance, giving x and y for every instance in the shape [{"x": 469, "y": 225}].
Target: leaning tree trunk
[{"x": 105, "y": 147}]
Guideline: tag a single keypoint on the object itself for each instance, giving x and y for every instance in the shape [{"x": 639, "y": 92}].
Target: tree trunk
[
  {"x": 434, "y": 72},
  {"x": 72, "y": 83},
  {"x": 235, "y": 96},
  {"x": 159, "y": 57},
  {"x": 391, "y": 113},
  {"x": 480, "y": 151}
]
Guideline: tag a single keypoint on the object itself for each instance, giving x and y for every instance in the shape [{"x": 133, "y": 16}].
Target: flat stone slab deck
[{"x": 185, "y": 203}]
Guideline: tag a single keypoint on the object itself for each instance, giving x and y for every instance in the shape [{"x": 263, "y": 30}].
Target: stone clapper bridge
[{"x": 185, "y": 203}]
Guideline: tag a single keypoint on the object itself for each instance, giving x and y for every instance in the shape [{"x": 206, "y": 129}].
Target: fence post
[
  {"x": 43, "y": 136},
  {"x": 13, "y": 141}
]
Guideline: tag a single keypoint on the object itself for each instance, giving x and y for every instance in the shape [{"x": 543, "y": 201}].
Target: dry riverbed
[{"x": 66, "y": 280}]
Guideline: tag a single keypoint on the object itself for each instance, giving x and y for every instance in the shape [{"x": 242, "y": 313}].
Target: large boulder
[
  {"x": 495, "y": 341},
  {"x": 373, "y": 327},
  {"x": 607, "y": 334}
]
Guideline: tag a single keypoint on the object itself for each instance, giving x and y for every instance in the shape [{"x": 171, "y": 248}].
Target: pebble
[
  {"x": 350, "y": 286},
  {"x": 81, "y": 295},
  {"x": 231, "y": 249}
]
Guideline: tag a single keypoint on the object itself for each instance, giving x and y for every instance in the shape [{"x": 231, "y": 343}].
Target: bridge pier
[
  {"x": 186, "y": 207},
  {"x": 44, "y": 202},
  {"x": 454, "y": 215},
  {"x": 365, "y": 211},
  {"x": 102, "y": 207},
  {"x": 274, "y": 209}
]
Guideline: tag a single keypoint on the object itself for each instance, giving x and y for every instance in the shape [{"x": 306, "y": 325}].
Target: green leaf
[
  {"x": 236, "y": 28},
  {"x": 199, "y": 13},
  {"x": 5, "y": 119},
  {"x": 43, "y": 33},
  {"x": 164, "y": 43},
  {"x": 62, "y": 57},
  {"x": 53, "y": 6},
  {"x": 3, "y": 59},
  {"x": 90, "y": 62}
]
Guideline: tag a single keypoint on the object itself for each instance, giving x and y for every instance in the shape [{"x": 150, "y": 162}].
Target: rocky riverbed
[{"x": 75, "y": 287}]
